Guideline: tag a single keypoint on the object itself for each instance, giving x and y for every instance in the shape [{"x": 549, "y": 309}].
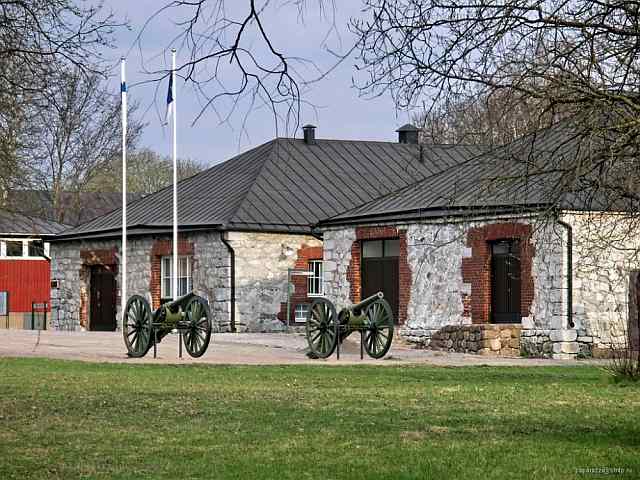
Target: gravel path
[{"x": 230, "y": 349}]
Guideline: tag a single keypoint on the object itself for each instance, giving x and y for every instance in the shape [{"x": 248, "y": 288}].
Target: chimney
[
  {"x": 309, "y": 134},
  {"x": 408, "y": 134}
]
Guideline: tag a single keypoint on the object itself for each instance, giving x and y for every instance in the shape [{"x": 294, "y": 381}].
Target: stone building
[
  {"x": 488, "y": 259},
  {"x": 243, "y": 224},
  {"x": 472, "y": 252}
]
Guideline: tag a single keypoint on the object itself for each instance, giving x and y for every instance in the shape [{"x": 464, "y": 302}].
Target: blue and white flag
[{"x": 170, "y": 100}]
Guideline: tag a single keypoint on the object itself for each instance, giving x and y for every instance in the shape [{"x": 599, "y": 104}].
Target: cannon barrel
[
  {"x": 178, "y": 303},
  {"x": 358, "y": 307},
  {"x": 170, "y": 311}
]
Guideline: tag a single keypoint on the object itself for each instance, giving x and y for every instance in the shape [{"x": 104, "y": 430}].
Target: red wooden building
[{"x": 25, "y": 273}]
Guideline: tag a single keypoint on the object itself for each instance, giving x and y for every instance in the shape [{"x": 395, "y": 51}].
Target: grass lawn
[{"x": 78, "y": 420}]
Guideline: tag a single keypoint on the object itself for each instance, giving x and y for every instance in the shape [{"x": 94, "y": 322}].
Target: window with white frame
[
  {"x": 184, "y": 276},
  {"x": 314, "y": 282},
  {"x": 36, "y": 248},
  {"x": 14, "y": 248},
  {"x": 24, "y": 248},
  {"x": 302, "y": 309}
]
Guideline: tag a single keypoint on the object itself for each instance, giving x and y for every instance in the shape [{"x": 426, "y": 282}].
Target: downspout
[
  {"x": 316, "y": 233},
  {"x": 232, "y": 273},
  {"x": 569, "y": 271}
]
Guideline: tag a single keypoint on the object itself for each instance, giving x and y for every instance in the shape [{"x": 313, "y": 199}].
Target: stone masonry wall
[
  {"x": 70, "y": 267},
  {"x": 262, "y": 260},
  {"x": 435, "y": 253},
  {"x": 337, "y": 258},
  {"x": 604, "y": 261},
  {"x": 71, "y": 271},
  {"x": 440, "y": 297},
  {"x": 489, "y": 339},
  {"x": 212, "y": 275}
]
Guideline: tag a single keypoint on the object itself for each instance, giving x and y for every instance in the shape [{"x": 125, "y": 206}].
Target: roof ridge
[
  {"x": 146, "y": 197},
  {"x": 392, "y": 142},
  {"x": 267, "y": 158}
]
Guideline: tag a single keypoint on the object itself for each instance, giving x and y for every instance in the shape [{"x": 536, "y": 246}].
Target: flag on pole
[
  {"x": 171, "y": 110},
  {"x": 170, "y": 100},
  {"x": 123, "y": 94}
]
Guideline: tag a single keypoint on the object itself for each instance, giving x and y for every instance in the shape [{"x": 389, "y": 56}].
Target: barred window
[{"x": 314, "y": 282}]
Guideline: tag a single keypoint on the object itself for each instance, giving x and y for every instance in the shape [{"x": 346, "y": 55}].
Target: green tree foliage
[{"x": 147, "y": 172}]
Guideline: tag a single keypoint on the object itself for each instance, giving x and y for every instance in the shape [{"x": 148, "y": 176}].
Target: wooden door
[
  {"x": 505, "y": 282},
  {"x": 380, "y": 271},
  {"x": 103, "y": 300}
]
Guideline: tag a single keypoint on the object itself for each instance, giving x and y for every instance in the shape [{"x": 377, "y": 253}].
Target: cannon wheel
[
  {"x": 137, "y": 327},
  {"x": 379, "y": 335},
  {"x": 321, "y": 328},
  {"x": 198, "y": 332}
]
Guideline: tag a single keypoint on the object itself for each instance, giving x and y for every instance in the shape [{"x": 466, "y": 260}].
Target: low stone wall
[
  {"x": 567, "y": 343},
  {"x": 489, "y": 339}
]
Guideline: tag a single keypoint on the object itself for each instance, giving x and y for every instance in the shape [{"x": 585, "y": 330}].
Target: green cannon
[
  {"x": 372, "y": 317},
  {"x": 189, "y": 315}
]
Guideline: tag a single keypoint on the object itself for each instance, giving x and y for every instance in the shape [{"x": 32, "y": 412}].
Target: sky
[{"x": 332, "y": 104}]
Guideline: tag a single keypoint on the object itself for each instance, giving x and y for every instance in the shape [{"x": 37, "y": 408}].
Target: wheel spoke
[{"x": 320, "y": 328}]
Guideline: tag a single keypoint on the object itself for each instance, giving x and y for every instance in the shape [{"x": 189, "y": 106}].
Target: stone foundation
[
  {"x": 488, "y": 339},
  {"x": 568, "y": 344}
]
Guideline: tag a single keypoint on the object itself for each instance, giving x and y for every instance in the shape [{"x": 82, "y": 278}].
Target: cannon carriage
[
  {"x": 189, "y": 315},
  {"x": 372, "y": 317}
]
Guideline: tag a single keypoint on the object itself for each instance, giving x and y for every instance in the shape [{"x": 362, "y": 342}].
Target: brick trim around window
[
  {"x": 353, "y": 270},
  {"x": 163, "y": 248},
  {"x": 304, "y": 256},
  {"x": 476, "y": 269}
]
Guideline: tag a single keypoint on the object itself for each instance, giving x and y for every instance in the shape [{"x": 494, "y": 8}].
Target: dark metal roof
[
  {"x": 286, "y": 185},
  {"x": 12, "y": 223},
  {"x": 523, "y": 176}
]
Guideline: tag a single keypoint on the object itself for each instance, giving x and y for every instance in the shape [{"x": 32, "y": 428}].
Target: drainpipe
[
  {"x": 569, "y": 271},
  {"x": 315, "y": 234},
  {"x": 232, "y": 268}
]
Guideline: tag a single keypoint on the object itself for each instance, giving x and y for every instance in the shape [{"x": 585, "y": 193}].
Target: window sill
[{"x": 23, "y": 258}]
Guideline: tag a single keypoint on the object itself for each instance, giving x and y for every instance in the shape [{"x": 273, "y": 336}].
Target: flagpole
[
  {"x": 123, "y": 94},
  {"x": 175, "y": 178}
]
